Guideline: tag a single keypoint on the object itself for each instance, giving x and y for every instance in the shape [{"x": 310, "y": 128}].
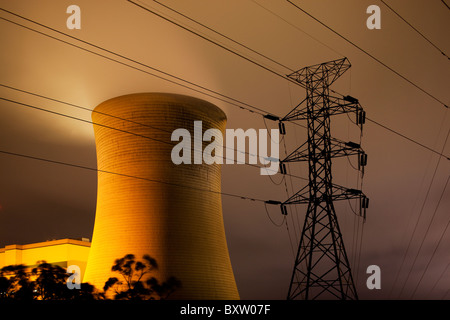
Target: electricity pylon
[{"x": 321, "y": 268}]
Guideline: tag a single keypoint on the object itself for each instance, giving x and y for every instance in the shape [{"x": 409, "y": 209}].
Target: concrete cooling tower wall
[{"x": 172, "y": 220}]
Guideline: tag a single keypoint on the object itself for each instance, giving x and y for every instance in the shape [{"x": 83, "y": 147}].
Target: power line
[
  {"x": 252, "y": 109},
  {"x": 255, "y": 109},
  {"x": 402, "y": 135},
  {"x": 439, "y": 278},
  {"x": 370, "y": 55},
  {"x": 412, "y": 209},
  {"x": 82, "y": 120},
  {"x": 129, "y": 176},
  {"x": 223, "y": 35},
  {"x": 81, "y": 107},
  {"x": 441, "y": 154},
  {"x": 271, "y": 220},
  {"x": 445, "y": 294},
  {"x": 418, "y": 219},
  {"x": 215, "y": 43},
  {"x": 296, "y": 27},
  {"x": 249, "y": 107},
  {"x": 359, "y": 251},
  {"x": 95, "y": 111},
  {"x": 203, "y": 37},
  {"x": 128, "y": 132},
  {"x": 420, "y": 33},
  {"x": 439, "y": 242},
  {"x": 257, "y": 112}
]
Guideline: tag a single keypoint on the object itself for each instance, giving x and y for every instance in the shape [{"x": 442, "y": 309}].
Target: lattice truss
[{"x": 321, "y": 268}]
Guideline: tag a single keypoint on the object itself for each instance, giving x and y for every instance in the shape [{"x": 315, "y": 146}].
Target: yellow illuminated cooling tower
[{"x": 152, "y": 206}]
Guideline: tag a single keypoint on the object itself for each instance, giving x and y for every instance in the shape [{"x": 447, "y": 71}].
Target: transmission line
[
  {"x": 439, "y": 278},
  {"x": 420, "y": 33},
  {"x": 417, "y": 222},
  {"x": 95, "y": 111},
  {"x": 129, "y": 176},
  {"x": 370, "y": 55},
  {"x": 248, "y": 59},
  {"x": 438, "y": 243},
  {"x": 441, "y": 154},
  {"x": 128, "y": 132},
  {"x": 248, "y": 107},
  {"x": 215, "y": 43},
  {"x": 222, "y": 35},
  {"x": 296, "y": 27},
  {"x": 196, "y": 85}
]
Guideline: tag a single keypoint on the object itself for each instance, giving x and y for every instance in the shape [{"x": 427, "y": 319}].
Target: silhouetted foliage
[
  {"x": 165, "y": 289},
  {"x": 44, "y": 282},
  {"x": 15, "y": 283},
  {"x": 87, "y": 292},
  {"x": 50, "y": 282},
  {"x": 132, "y": 286}
]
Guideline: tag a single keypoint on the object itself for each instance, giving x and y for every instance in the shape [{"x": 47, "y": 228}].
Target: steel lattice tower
[{"x": 322, "y": 268}]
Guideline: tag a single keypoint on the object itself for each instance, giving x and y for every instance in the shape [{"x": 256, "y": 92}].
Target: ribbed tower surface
[{"x": 166, "y": 214}]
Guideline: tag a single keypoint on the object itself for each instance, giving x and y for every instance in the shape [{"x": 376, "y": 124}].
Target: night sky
[{"x": 408, "y": 219}]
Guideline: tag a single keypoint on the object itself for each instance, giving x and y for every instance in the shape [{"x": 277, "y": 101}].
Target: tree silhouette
[
  {"x": 44, "y": 282},
  {"x": 132, "y": 286},
  {"x": 50, "y": 282},
  {"x": 15, "y": 283},
  {"x": 87, "y": 292}
]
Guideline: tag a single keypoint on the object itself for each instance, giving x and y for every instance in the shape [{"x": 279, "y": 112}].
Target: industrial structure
[
  {"x": 148, "y": 205},
  {"x": 61, "y": 252},
  {"x": 321, "y": 268}
]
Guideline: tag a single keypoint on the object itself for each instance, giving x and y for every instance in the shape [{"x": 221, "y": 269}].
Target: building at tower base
[{"x": 61, "y": 252}]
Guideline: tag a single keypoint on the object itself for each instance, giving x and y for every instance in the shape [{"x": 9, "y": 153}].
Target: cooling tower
[{"x": 152, "y": 206}]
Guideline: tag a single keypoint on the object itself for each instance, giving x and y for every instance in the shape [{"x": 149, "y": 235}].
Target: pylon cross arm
[{"x": 328, "y": 71}]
